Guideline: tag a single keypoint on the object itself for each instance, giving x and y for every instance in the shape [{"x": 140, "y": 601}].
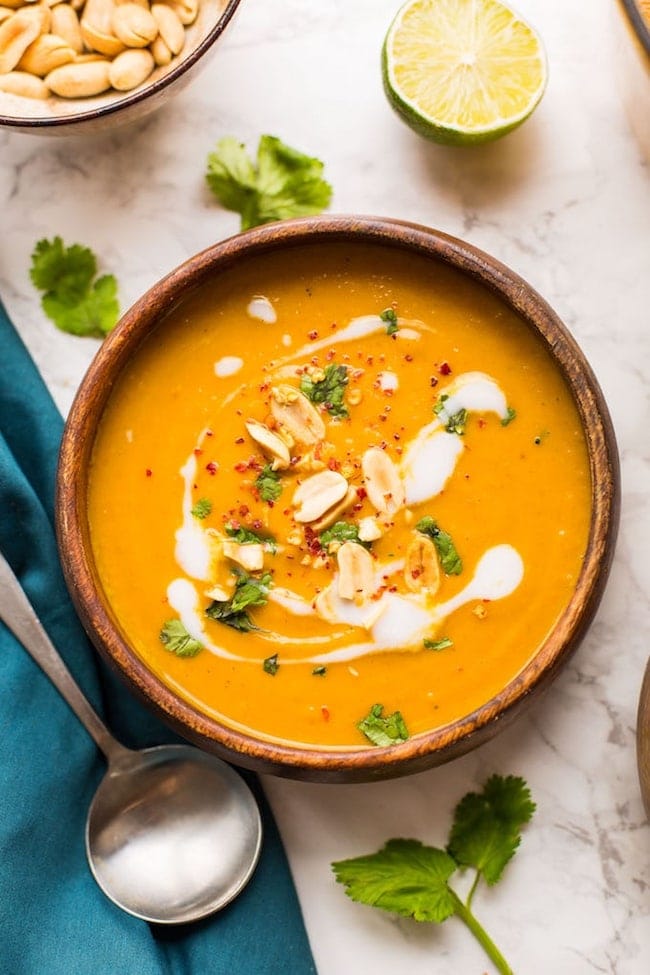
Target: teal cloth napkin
[{"x": 54, "y": 920}]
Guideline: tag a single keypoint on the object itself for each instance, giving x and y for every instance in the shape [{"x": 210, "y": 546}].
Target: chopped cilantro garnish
[
  {"x": 249, "y": 592},
  {"x": 342, "y": 531},
  {"x": 319, "y": 671},
  {"x": 329, "y": 390},
  {"x": 437, "y": 644},
  {"x": 450, "y": 560},
  {"x": 202, "y": 508},
  {"x": 389, "y": 316},
  {"x": 408, "y": 878},
  {"x": 268, "y": 484},
  {"x": 383, "y": 729},
  {"x": 74, "y": 298},
  {"x": 177, "y": 640},
  {"x": 282, "y": 183},
  {"x": 271, "y": 665},
  {"x": 454, "y": 422},
  {"x": 244, "y": 536},
  {"x": 509, "y": 417}
]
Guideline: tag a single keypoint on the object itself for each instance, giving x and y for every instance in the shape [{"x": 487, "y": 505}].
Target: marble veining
[{"x": 565, "y": 201}]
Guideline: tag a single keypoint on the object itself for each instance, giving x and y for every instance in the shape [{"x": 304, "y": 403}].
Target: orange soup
[{"x": 340, "y": 496}]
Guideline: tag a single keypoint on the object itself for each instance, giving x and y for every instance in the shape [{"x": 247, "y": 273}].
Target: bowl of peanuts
[{"x": 69, "y": 66}]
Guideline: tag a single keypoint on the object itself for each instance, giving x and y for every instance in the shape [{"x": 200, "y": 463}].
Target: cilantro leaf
[
  {"x": 486, "y": 829},
  {"x": 382, "y": 729},
  {"x": 202, "y": 508},
  {"x": 71, "y": 299},
  {"x": 454, "y": 422},
  {"x": 405, "y": 877},
  {"x": 342, "y": 531},
  {"x": 319, "y": 671},
  {"x": 283, "y": 183},
  {"x": 244, "y": 536},
  {"x": 437, "y": 644},
  {"x": 268, "y": 484},
  {"x": 249, "y": 592},
  {"x": 509, "y": 417},
  {"x": 177, "y": 640},
  {"x": 329, "y": 390},
  {"x": 449, "y": 558},
  {"x": 271, "y": 665},
  {"x": 412, "y": 880},
  {"x": 389, "y": 316}
]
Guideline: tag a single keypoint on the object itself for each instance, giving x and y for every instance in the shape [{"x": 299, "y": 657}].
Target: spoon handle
[{"x": 19, "y": 616}]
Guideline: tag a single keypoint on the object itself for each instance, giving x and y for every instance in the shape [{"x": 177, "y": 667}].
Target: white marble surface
[{"x": 565, "y": 201}]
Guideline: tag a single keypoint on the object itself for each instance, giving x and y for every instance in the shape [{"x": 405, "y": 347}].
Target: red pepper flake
[
  {"x": 370, "y": 359},
  {"x": 244, "y": 510},
  {"x": 148, "y": 472},
  {"x": 209, "y": 433},
  {"x": 242, "y": 467},
  {"x": 330, "y": 354},
  {"x": 482, "y": 422},
  {"x": 257, "y": 524},
  {"x": 382, "y": 417},
  {"x": 197, "y": 451},
  {"x": 392, "y": 589},
  {"x": 212, "y": 468},
  {"x": 396, "y": 436},
  {"x": 325, "y": 712},
  {"x": 240, "y": 440},
  {"x": 312, "y": 335},
  {"x": 262, "y": 388},
  {"x": 234, "y": 523},
  {"x": 333, "y": 464},
  {"x": 445, "y": 369},
  {"x": 334, "y": 325},
  {"x": 399, "y": 450},
  {"x": 408, "y": 357},
  {"x": 357, "y": 507},
  {"x": 433, "y": 381},
  {"x": 361, "y": 493}
]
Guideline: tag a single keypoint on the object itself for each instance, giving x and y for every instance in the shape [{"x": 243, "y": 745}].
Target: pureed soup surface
[{"x": 338, "y": 483}]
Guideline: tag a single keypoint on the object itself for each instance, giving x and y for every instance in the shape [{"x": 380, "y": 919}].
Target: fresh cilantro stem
[{"x": 464, "y": 912}]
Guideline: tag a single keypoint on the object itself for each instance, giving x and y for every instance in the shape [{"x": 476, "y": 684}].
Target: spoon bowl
[{"x": 173, "y": 834}]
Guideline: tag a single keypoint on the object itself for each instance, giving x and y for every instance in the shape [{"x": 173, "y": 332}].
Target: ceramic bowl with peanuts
[
  {"x": 385, "y": 446},
  {"x": 76, "y": 65}
]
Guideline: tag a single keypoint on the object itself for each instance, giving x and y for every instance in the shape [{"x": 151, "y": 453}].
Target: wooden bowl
[
  {"x": 344, "y": 764},
  {"x": 76, "y": 116}
]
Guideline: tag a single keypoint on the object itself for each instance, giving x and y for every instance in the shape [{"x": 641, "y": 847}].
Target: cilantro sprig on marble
[
  {"x": 281, "y": 183},
  {"x": 412, "y": 880},
  {"x": 74, "y": 298}
]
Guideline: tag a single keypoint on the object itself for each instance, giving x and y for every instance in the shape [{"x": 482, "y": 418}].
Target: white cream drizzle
[
  {"x": 407, "y": 620},
  {"x": 194, "y": 548},
  {"x": 388, "y": 380},
  {"x": 261, "y": 308},
  {"x": 430, "y": 459},
  {"x": 228, "y": 365}
]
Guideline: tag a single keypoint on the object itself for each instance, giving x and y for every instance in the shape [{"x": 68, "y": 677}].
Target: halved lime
[{"x": 461, "y": 72}]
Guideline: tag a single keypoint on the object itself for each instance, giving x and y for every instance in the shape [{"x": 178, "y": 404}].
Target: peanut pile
[{"x": 81, "y": 48}]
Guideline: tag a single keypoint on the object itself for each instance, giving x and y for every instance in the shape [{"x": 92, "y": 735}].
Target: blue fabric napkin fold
[{"x": 54, "y": 920}]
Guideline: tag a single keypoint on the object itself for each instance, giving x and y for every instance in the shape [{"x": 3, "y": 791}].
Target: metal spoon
[{"x": 173, "y": 834}]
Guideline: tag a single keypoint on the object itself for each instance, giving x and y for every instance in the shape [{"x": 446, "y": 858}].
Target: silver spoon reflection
[{"x": 173, "y": 834}]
